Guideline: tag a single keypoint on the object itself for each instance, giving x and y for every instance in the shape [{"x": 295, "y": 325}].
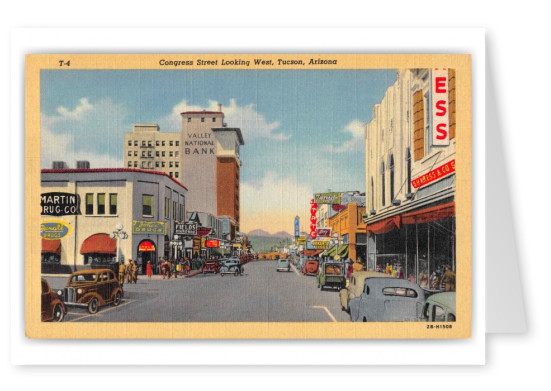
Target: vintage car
[
  {"x": 440, "y": 307},
  {"x": 211, "y": 266},
  {"x": 388, "y": 300},
  {"x": 356, "y": 286},
  {"x": 311, "y": 267},
  {"x": 331, "y": 274},
  {"x": 283, "y": 265},
  {"x": 52, "y": 307},
  {"x": 92, "y": 289},
  {"x": 231, "y": 266}
]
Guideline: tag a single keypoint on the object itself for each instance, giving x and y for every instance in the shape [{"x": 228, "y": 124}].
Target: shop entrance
[{"x": 147, "y": 252}]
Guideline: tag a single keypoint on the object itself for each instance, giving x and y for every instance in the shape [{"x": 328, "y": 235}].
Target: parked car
[
  {"x": 331, "y": 275},
  {"x": 388, "y": 300},
  {"x": 356, "y": 286},
  {"x": 283, "y": 264},
  {"x": 52, "y": 307},
  {"x": 231, "y": 266},
  {"x": 440, "y": 307},
  {"x": 92, "y": 289},
  {"x": 211, "y": 266},
  {"x": 311, "y": 267}
]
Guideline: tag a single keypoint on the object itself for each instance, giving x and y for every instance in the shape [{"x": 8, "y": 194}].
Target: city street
[{"x": 261, "y": 294}]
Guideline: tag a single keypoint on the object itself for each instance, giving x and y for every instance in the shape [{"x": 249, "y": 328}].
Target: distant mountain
[
  {"x": 260, "y": 232},
  {"x": 283, "y": 235}
]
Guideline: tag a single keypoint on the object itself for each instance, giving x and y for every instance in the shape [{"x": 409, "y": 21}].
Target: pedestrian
[
  {"x": 121, "y": 273},
  {"x": 163, "y": 268},
  {"x": 178, "y": 269},
  {"x": 401, "y": 275},
  {"x": 169, "y": 268},
  {"x": 128, "y": 271},
  {"x": 135, "y": 272},
  {"x": 388, "y": 269},
  {"x": 149, "y": 270},
  {"x": 433, "y": 281},
  {"x": 349, "y": 270},
  {"x": 449, "y": 279}
]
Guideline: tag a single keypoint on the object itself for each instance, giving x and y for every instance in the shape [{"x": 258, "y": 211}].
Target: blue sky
[{"x": 303, "y": 130}]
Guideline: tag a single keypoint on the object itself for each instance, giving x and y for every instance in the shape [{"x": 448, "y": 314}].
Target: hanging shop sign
[
  {"x": 301, "y": 240},
  {"x": 212, "y": 243},
  {"x": 237, "y": 245},
  {"x": 434, "y": 175},
  {"x": 324, "y": 232},
  {"x": 297, "y": 226},
  {"x": 185, "y": 228},
  {"x": 148, "y": 227},
  {"x": 146, "y": 246},
  {"x": 327, "y": 198},
  {"x": 338, "y": 207},
  {"x": 54, "y": 229},
  {"x": 320, "y": 244},
  {"x": 313, "y": 219},
  {"x": 440, "y": 109},
  {"x": 60, "y": 204},
  {"x": 203, "y": 231}
]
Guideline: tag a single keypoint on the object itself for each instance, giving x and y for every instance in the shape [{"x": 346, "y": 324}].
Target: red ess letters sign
[{"x": 440, "y": 107}]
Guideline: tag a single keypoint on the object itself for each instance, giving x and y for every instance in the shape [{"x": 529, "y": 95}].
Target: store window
[
  {"x": 391, "y": 168},
  {"x": 147, "y": 205},
  {"x": 383, "y": 183},
  {"x": 408, "y": 163},
  {"x": 113, "y": 204},
  {"x": 89, "y": 203},
  {"x": 174, "y": 209},
  {"x": 101, "y": 203},
  {"x": 167, "y": 208}
]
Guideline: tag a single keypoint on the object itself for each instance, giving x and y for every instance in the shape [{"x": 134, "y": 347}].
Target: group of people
[
  {"x": 174, "y": 268},
  {"x": 439, "y": 281},
  {"x": 128, "y": 272},
  {"x": 392, "y": 270}
]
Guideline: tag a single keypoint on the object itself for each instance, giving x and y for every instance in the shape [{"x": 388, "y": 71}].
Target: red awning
[
  {"x": 435, "y": 213},
  {"x": 100, "y": 244},
  {"x": 51, "y": 246},
  {"x": 311, "y": 253},
  {"x": 383, "y": 226}
]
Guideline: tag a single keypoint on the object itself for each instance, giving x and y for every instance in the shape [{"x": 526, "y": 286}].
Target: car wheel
[
  {"x": 117, "y": 299},
  {"x": 236, "y": 272},
  {"x": 57, "y": 314},
  {"x": 365, "y": 320},
  {"x": 93, "y": 306}
]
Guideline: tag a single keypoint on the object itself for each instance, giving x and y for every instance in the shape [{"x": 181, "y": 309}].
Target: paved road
[{"x": 261, "y": 294}]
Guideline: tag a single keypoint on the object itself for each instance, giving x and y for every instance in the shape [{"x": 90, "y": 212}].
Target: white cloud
[
  {"x": 252, "y": 123},
  {"x": 92, "y": 132},
  {"x": 272, "y": 204},
  {"x": 356, "y": 130}
]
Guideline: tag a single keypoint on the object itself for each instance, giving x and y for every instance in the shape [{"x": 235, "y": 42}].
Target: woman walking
[{"x": 149, "y": 269}]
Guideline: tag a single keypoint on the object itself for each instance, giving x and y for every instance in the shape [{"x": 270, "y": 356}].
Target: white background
[{"x": 517, "y": 50}]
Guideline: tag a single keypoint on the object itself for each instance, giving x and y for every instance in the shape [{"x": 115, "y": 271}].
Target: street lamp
[{"x": 118, "y": 234}]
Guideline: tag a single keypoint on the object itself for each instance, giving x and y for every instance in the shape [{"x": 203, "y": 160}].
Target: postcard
[{"x": 232, "y": 196}]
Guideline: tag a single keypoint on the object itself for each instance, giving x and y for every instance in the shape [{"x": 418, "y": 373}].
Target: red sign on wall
[
  {"x": 435, "y": 174},
  {"x": 212, "y": 243},
  {"x": 146, "y": 246},
  {"x": 203, "y": 231},
  {"x": 324, "y": 232}
]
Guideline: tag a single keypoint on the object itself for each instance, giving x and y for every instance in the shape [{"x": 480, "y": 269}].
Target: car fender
[
  {"x": 89, "y": 296},
  {"x": 115, "y": 291}
]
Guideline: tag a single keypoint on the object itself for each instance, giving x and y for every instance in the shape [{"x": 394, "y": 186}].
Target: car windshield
[{"x": 84, "y": 277}]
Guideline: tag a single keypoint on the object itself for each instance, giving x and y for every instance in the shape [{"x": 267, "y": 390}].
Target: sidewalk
[{"x": 140, "y": 276}]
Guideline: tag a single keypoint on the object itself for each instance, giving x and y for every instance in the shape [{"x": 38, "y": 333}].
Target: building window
[
  {"x": 163, "y": 143},
  {"x": 176, "y": 174},
  {"x": 157, "y": 153},
  {"x": 135, "y": 143},
  {"x": 89, "y": 203},
  {"x": 174, "y": 209},
  {"x": 181, "y": 212},
  {"x": 143, "y": 153},
  {"x": 171, "y": 143},
  {"x": 167, "y": 208},
  {"x": 149, "y": 143},
  {"x": 383, "y": 183},
  {"x": 202, "y": 119},
  {"x": 157, "y": 143},
  {"x": 170, "y": 174},
  {"x": 149, "y": 153},
  {"x": 391, "y": 168},
  {"x": 176, "y": 164},
  {"x": 101, "y": 203},
  {"x": 163, "y": 164},
  {"x": 147, "y": 205},
  {"x": 113, "y": 204},
  {"x": 135, "y": 164},
  {"x": 156, "y": 164},
  {"x": 170, "y": 154},
  {"x": 176, "y": 154},
  {"x": 129, "y": 153},
  {"x": 177, "y": 143},
  {"x": 129, "y": 164},
  {"x": 143, "y": 143},
  {"x": 136, "y": 153},
  {"x": 213, "y": 119},
  {"x": 170, "y": 164},
  {"x": 163, "y": 154}
]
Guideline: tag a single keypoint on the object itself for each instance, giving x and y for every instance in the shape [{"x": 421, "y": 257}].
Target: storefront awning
[
  {"x": 311, "y": 253},
  {"x": 343, "y": 250},
  {"x": 51, "y": 246},
  {"x": 99, "y": 244},
  {"x": 383, "y": 226},
  {"x": 428, "y": 215},
  {"x": 330, "y": 252}
]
